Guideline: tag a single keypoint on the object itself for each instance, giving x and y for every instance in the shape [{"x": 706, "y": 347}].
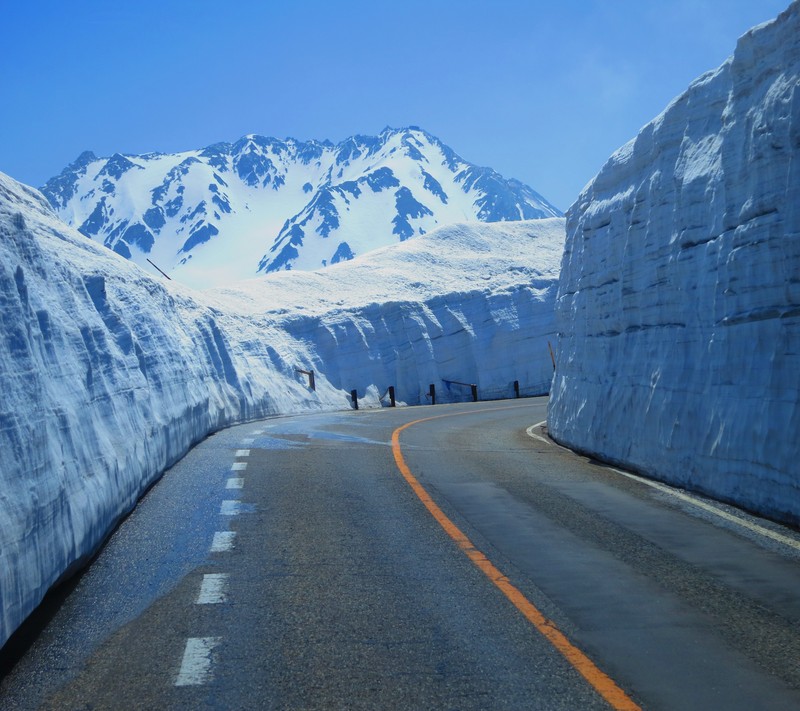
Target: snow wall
[
  {"x": 678, "y": 307},
  {"x": 108, "y": 376},
  {"x": 470, "y": 303}
]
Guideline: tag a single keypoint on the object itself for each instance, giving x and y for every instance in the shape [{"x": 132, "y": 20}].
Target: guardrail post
[
  {"x": 432, "y": 393},
  {"x": 310, "y": 373},
  {"x": 392, "y": 401},
  {"x": 516, "y": 388},
  {"x": 354, "y": 398},
  {"x": 474, "y": 393}
]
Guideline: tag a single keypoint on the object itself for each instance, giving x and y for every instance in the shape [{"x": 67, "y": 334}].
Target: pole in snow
[{"x": 163, "y": 273}]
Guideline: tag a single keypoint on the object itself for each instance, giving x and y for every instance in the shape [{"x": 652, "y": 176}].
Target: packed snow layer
[
  {"x": 679, "y": 302},
  {"x": 108, "y": 376}
]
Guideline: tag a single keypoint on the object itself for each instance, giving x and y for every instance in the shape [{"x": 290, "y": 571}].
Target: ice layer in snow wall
[{"x": 679, "y": 301}]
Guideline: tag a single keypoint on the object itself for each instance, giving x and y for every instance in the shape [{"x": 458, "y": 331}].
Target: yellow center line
[{"x": 601, "y": 682}]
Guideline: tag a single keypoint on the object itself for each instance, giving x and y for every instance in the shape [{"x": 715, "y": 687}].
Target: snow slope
[
  {"x": 108, "y": 375},
  {"x": 212, "y": 216},
  {"x": 679, "y": 302},
  {"x": 466, "y": 303}
]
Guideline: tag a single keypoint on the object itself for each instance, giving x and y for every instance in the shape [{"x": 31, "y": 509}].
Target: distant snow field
[{"x": 109, "y": 375}]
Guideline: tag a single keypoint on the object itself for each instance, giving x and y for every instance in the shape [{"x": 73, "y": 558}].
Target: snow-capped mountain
[{"x": 231, "y": 210}]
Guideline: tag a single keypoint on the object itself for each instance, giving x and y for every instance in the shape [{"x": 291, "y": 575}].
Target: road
[{"x": 447, "y": 557}]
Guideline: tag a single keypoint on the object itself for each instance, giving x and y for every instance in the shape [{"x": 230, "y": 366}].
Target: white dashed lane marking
[
  {"x": 230, "y": 508},
  {"x": 213, "y": 589},
  {"x": 197, "y": 661},
  {"x": 198, "y": 656},
  {"x": 223, "y": 541}
]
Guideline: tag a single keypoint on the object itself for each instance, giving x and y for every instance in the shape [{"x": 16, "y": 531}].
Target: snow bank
[
  {"x": 109, "y": 376},
  {"x": 679, "y": 302},
  {"x": 469, "y": 303}
]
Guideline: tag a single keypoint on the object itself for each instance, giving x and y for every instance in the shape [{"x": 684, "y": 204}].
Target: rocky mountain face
[
  {"x": 233, "y": 210},
  {"x": 679, "y": 296}
]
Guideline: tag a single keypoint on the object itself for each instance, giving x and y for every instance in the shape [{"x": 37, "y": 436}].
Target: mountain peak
[
  {"x": 82, "y": 160},
  {"x": 228, "y": 210}
]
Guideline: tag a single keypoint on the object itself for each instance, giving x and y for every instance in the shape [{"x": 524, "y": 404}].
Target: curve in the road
[
  {"x": 598, "y": 679},
  {"x": 677, "y": 494}
]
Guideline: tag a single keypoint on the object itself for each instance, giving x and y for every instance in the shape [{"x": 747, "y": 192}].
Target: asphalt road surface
[{"x": 447, "y": 557}]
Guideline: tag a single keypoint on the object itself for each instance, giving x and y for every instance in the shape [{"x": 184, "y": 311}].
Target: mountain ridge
[{"x": 259, "y": 204}]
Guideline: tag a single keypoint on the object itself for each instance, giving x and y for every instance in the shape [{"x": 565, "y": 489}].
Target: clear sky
[{"x": 540, "y": 91}]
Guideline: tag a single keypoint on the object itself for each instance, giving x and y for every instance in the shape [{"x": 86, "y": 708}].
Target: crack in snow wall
[{"x": 679, "y": 300}]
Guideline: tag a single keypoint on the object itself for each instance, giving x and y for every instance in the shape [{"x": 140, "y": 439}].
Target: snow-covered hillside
[
  {"x": 679, "y": 300},
  {"x": 108, "y": 375},
  {"x": 466, "y": 303},
  {"x": 209, "y": 217}
]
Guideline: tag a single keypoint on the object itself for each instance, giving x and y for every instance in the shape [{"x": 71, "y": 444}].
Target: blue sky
[{"x": 540, "y": 91}]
